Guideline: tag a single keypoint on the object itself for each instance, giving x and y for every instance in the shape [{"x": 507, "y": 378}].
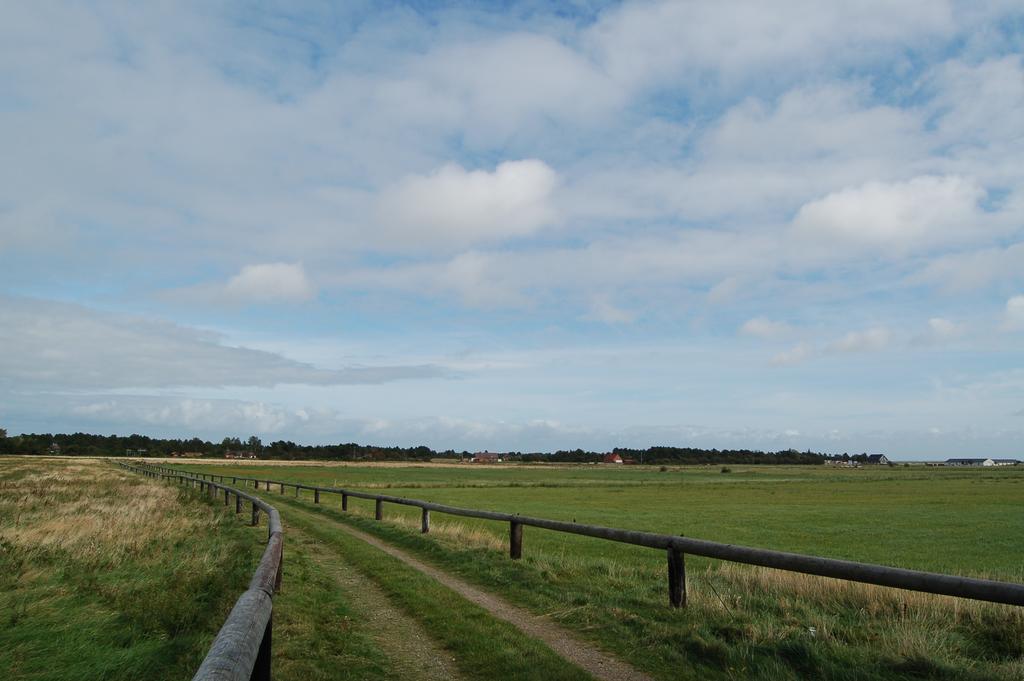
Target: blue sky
[{"x": 517, "y": 227}]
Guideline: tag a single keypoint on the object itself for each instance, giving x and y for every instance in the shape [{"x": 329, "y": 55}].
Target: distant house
[
  {"x": 1005, "y": 462},
  {"x": 611, "y": 458},
  {"x": 135, "y": 452},
  {"x": 970, "y": 462},
  {"x": 54, "y": 448},
  {"x": 486, "y": 457},
  {"x": 877, "y": 460},
  {"x": 238, "y": 455}
]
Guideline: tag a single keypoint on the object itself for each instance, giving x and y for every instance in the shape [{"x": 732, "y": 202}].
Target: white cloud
[
  {"x": 525, "y": 277},
  {"x": 59, "y": 346},
  {"x": 870, "y": 340},
  {"x": 271, "y": 283},
  {"x": 982, "y": 103},
  {"x": 456, "y": 206},
  {"x": 648, "y": 41},
  {"x": 939, "y": 330},
  {"x": 893, "y": 217},
  {"x": 973, "y": 270},
  {"x": 761, "y": 327},
  {"x": 212, "y": 417},
  {"x": 1013, "y": 318},
  {"x": 798, "y": 353},
  {"x": 603, "y": 310},
  {"x": 502, "y": 85},
  {"x": 943, "y": 328}
]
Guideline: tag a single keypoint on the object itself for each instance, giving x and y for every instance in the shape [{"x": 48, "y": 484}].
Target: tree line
[
  {"x": 86, "y": 444},
  {"x": 686, "y": 456}
]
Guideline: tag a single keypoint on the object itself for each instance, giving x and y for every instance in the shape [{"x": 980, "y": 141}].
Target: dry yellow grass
[
  {"x": 452, "y": 532},
  {"x": 106, "y": 574},
  {"x": 93, "y": 509}
]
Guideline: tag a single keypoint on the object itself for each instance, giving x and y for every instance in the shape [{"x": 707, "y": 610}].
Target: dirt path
[
  {"x": 412, "y": 652},
  {"x": 581, "y": 653}
]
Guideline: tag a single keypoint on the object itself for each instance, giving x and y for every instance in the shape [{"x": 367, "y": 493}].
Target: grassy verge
[{"x": 741, "y": 622}]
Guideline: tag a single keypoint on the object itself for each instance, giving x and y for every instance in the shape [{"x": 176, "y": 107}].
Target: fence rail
[
  {"x": 677, "y": 547},
  {"x": 242, "y": 649}
]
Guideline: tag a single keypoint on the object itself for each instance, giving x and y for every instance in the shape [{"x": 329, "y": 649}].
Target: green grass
[
  {"x": 741, "y": 622},
  {"x": 317, "y": 635},
  {"x": 957, "y": 521},
  {"x": 106, "y": 574},
  {"x": 483, "y": 647}
]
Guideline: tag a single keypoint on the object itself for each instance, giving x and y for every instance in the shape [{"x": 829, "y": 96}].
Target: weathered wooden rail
[
  {"x": 242, "y": 649},
  {"x": 677, "y": 547}
]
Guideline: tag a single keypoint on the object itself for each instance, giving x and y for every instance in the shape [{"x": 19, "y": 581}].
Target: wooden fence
[
  {"x": 677, "y": 547},
  {"x": 242, "y": 649}
]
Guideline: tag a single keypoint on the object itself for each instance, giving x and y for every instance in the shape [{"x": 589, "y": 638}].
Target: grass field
[
  {"x": 106, "y": 574},
  {"x": 109, "y": 575},
  {"x": 742, "y": 622},
  {"x": 962, "y": 521},
  {"x": 100, "y": 576}
]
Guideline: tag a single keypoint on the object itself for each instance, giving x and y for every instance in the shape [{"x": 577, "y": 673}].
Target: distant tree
[
  {"x": 3, "y": 433},
  {"x": 254, "y": 444}
]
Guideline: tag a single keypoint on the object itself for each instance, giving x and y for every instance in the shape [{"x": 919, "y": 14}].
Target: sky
[{"x": 517, "y": 226}]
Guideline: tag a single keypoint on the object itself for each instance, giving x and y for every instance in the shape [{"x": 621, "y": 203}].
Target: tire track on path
[
  {"x": 412, "y": 652},
  {"x": 585, "y": 655}
]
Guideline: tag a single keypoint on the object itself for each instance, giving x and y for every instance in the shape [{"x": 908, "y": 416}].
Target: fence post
[
  {"x": 676, "y": 578},
  {"x": 515, "y": 544},
  {"x": 261, "y": 670},
  {"x": 379, "y": 512},
  {"x": 425, "y": 522},
  {"x": 296, "y": 491},
  {"x": 282, "y": 488},
  {"x": 238, "y": 503},
  {"x": 255, "y": 515},
  {"x": 226, "y": 494},
  {"x": 344, "y": 502},
  {"x": 316, "y": 496}
]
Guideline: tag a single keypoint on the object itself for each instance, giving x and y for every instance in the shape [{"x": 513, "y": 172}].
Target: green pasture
[
  {"x": 961, "y": 521},
  {"x": 741, "y": 622}
]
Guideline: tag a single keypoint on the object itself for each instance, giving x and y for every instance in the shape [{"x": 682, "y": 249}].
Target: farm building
[
  {"x": 970, "y": 462},
  {"x": 1005, "y": 462},
  {"x": 611, "y": 458},
  {"x": 486, "y": 457},
  {"x": 877, "y": 460}
]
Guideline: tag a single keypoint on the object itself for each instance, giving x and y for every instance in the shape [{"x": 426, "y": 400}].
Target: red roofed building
[
  {"x": 486, "y": 457},
  {"x": 612, "y": 458}
]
